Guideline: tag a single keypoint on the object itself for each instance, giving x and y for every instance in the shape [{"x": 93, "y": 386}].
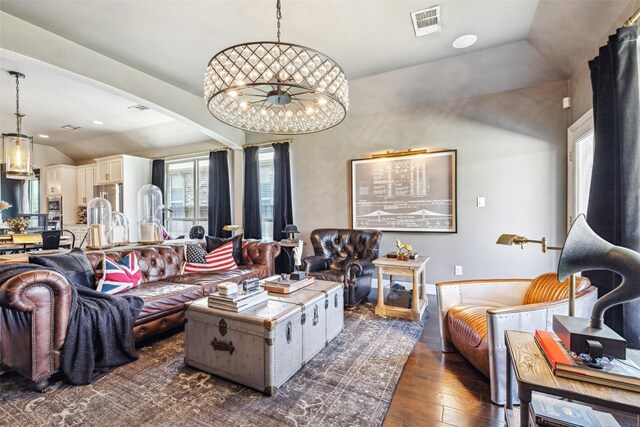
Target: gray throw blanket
[{"x": 100, "y": 333}]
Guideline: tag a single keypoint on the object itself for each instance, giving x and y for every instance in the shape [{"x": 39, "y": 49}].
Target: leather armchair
[
  {"x": 344, "y": 255},
  {"x": 475, "y": 314}
]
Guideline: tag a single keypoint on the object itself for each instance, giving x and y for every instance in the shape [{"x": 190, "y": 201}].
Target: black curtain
[
  {"x": 11, "y": 192},
  {"x": 219, "y": 194},
  {"x": 157, "y": 175},
  {"x": 252, "y": 220},
  {"x": 282, "y": 206},
  {"x": 614, "y": 199},
  {"x": 157, "y": 179}
]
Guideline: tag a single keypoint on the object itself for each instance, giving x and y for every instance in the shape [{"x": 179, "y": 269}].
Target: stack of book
[
  {"x": 624, "y": 374},
  {"x": 238, "y": 301}
]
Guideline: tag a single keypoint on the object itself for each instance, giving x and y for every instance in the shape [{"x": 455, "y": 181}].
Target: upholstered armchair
[
  {"x": 475, "y": 314},
  {"x": 344, "y": 256}
]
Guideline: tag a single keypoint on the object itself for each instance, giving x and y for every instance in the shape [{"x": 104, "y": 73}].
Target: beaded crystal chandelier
[{"x": 275, "y": 87}]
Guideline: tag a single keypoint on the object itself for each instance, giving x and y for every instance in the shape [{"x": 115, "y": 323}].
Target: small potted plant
[{"x": 18, "y": 225}]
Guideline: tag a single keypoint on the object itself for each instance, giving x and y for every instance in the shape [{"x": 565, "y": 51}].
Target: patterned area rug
[{"x": 349, "y": 383}]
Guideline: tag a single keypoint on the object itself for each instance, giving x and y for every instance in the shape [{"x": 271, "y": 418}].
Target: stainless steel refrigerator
[{"x": 111, "y": 192}]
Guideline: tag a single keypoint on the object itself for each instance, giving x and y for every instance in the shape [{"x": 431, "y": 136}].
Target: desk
[
  {"x": 532, "y": 373},
  {"x": 414, "y": 268}
]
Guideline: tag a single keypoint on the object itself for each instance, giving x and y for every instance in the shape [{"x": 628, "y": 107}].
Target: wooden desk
[
  {"x": 414, "y": 268},
  {"x": 532, "y": 373}
]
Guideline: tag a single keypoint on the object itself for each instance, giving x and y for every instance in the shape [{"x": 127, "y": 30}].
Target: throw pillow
[
  {"x": 74, "y": 266},
  {"x": 119, "y": 276},
  {"x": 216, "y": 242},
  {"x": 217, "y": 260},
  {"x": 196, "y": 254}
]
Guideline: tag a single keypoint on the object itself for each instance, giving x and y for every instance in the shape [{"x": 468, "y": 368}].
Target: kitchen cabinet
[
  {"x": 109, "y": 170},
  {"x": 86, "y": 181},
  {"x": 62, "y": 180}
]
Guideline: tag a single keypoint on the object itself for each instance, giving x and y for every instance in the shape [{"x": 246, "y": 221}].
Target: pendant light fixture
[
  {"x": 18, "y": 148},
  {"x": 276, "y": 87}
]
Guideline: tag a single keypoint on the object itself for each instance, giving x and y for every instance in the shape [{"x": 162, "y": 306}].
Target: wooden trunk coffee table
[{"x": 414, "y": 268}]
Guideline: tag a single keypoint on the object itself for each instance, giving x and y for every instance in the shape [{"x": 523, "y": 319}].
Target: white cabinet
[
  {"x": 62, "y": 180},
  {"x": 110, "y": 170},
  {"x": 86, "y": 180}
]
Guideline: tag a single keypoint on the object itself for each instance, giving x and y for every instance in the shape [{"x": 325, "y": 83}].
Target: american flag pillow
[
  {"x": 118, "y": 276},
  {"x": 216, "y": 260}
]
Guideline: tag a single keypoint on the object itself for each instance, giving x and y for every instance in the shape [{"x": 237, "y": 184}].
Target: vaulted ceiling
[{"x": 520, "y": 43}]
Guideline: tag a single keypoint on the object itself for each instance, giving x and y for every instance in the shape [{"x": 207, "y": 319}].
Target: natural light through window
[
  {"x": 265, "y": 159},
  {"x": 186, "y": 194}
]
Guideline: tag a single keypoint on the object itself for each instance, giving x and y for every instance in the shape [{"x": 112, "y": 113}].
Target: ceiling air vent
[
  {"x": 138, "y": 107},
  {"x": 426, "y": 21},
  {"x": 70, "y": 127}
]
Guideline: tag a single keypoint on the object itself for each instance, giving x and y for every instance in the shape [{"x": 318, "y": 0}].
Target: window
[
  {"x": 580, "y": 165},
  {"x": 186, "y": 194},
  {"x": 265, "y": 161}
]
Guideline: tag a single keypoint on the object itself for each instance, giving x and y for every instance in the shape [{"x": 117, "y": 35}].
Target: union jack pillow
[
  {"x": 217, "y": 260},
  {"x": 118, "y": 276}
]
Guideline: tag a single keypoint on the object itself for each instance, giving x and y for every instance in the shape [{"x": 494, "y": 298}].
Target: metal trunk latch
[
  {"x": 316, "y": 315},
  {"x": 223, "y": 346},
  {"x": 335, "y": 300},
  {"x": 303, "y": 318},
  {"x": 289, "y": 332},
  {"x": 222, "y": 327},
  {"x": 326, "y": 304}
]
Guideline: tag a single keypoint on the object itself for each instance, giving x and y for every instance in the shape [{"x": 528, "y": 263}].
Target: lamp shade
[{"x": 17, "y": 155}]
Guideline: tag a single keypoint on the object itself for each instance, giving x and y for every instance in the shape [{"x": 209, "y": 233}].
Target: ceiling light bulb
[
  {"x": 97, "y": 122},
  {"x": 465, "y": 41},
  {"x": 322, "y": 101},
  {"x": 233, "y": 94},
  {"x": 43, "y": 136},
  {"x": 244, "y": 105},
  {"x": 289, "y": 113},
  {"x": 309, "y": 110}
]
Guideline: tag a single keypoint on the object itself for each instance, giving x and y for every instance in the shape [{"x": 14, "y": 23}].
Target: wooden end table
[
  {"x": 532, "y": 373},
  {"x": 414, "y": 268}
]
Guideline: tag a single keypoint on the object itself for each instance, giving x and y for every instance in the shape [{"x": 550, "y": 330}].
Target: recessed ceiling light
[
  {"x": 465, "y": 41},
  {"x": 43, "y": 136},
  {"x": 98, "y": 122}
]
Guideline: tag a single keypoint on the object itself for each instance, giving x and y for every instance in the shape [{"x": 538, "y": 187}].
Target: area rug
[{"x": 349, "y": 383}]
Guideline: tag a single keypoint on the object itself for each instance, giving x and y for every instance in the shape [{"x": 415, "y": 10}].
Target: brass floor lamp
[{"x": 514, "y": 239}]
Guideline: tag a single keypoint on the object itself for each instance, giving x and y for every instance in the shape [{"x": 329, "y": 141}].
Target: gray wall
[{"x": 511, "y": 150}]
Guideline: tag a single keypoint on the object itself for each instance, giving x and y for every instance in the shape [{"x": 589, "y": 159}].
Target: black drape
[
  {"x": 614, "y": 198},
  {"x": 157, "y": 175},
  {"x": 11, "y": 192},
  {"x": 219, "y": 194},
  {"x": 282, "y": 206},
  {"x": 252, "y": 219}
]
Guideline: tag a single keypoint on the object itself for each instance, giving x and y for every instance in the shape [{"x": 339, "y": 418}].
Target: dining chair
[{"x": 51, "y": 239}]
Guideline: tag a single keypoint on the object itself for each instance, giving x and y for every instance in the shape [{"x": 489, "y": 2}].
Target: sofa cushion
[
  {"x": 216, "y": 242},
  {"x": 74, "y": 266},
  {"x": 164, "y": 297},
  {"x": 545, "y": 288},
  {"x": 468, "y": 330}
]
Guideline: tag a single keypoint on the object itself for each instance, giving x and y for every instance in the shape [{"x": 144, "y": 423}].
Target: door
[{"x": 581, "y": 143}]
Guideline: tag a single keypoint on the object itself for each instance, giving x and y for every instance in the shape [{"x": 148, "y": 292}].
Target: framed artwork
[{"x": 415, "y": 192}]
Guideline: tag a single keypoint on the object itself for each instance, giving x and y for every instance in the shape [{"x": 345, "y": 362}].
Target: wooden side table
[
  {"x": 414, "y": 268},
  {"x": 532, "y": 373}
]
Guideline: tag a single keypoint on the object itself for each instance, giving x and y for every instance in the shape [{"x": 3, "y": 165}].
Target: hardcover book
[{"x": 550, "y": 412}]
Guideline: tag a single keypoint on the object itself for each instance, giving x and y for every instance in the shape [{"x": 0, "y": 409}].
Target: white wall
[{"x": 511, "y": 150}]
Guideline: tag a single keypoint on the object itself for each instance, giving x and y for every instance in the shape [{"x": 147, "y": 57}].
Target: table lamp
[{"x": 514, "y": 239}]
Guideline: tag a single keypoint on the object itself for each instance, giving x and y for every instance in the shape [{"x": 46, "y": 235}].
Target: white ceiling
[{"x": 520, "y": 43}]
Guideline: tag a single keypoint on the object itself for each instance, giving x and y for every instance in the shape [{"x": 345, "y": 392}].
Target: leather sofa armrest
[
  {"x": 47, "y": 296},
  {"x": 257, "y": 252},
  {"x": 492, "y": 292},
  {"x": 357, "y": 268},
  {"x": 314, "y": 263}
]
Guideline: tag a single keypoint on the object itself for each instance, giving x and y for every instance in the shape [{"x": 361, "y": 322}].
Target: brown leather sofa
[
  {"x": 344, "y": 256},
  {"x": 35, "y": 306}
]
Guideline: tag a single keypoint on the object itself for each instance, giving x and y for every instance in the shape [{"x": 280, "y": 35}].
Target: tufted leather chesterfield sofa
[
  {"x": 35, "y": 306},
  {"x": 474, "y": 315},
  {"x": 345, "y": 256}
]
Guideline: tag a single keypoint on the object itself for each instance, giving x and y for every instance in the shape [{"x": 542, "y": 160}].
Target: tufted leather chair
[
  {"x": 474, "y": 315},
  {"x": 345, "y": 256}
]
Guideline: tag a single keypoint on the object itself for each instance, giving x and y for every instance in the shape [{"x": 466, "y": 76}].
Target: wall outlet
[
  {"x": 482, "y": 202},
  {"x": 457, "y": 270}
]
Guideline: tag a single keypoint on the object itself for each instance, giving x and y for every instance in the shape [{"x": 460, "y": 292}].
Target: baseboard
[{"x": 431, "y": 287}]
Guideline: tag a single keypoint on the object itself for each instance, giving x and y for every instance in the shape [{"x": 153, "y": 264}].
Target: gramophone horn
[{"x": 585, "y": 250}]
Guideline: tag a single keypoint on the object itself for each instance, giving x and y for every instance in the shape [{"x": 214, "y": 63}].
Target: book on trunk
[
  {"x": 551, "y": 412},
  {"x": 624, "y": 374}
]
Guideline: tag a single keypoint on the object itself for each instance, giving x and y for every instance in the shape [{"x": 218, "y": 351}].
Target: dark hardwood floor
[
  {"x": 443, "y": 389},
  {"x": 438, "y": 389}
]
